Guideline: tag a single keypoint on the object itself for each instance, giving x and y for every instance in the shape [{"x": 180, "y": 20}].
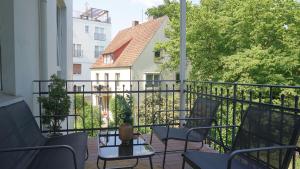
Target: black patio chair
[
  {"x": 266, "y": 139},
  {"x": 203, "y": 114},
  {"x": 23, "y": 146}
]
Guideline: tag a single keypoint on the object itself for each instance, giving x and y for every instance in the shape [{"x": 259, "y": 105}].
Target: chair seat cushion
[
  {"x": 176, "y": 134},
  {"x": 203, "y": 160},
  {"x": 62, "y": 158}
]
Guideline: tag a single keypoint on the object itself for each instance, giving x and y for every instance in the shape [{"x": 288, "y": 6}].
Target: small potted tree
[
  {"x": 122, "y": 107},
  {"x": 56, "y": 105}
]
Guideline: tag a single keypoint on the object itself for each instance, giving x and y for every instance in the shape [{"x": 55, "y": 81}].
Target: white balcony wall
[{"x": 29, "y": 43}]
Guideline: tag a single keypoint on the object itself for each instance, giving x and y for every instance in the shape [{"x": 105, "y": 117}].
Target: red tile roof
[{"x": 129, "y": 44}]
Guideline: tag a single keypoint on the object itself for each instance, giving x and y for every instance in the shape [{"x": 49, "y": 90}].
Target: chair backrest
[
  {"x": 206, "y": 108},
  {"x": 264, "y": 126},
  {"x": 18, "y": 128}
]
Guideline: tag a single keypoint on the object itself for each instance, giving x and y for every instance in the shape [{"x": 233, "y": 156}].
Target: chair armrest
[
  {"x": 238, "y": 152},
  {"x": 69, "y": 148},
  {"x": 204, "y": 127}
]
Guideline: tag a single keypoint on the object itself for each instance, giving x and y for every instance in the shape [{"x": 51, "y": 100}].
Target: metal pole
[{"x": 182, "y": 56}]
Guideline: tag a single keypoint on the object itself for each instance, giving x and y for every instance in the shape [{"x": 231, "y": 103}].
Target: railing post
[
  {"x": 40, "y": 107},
  {"x": 234, "y": 108},
  {"x": 182, "y": 56}
]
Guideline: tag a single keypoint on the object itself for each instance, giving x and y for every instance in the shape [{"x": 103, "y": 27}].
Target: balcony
[
  {"x": 234, "y": 100},
  {"x": 99, "y": 36}
]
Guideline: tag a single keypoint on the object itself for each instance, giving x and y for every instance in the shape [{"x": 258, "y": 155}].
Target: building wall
[
  {"x": 88, "y": 45},
  {"x": 147, "y": 56},
  {"x": 28, "y": 31},
  {"x": 124, "y": 75}
]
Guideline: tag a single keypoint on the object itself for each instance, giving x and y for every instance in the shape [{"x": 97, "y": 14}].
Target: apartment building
[{"x": 91, "y": 34}]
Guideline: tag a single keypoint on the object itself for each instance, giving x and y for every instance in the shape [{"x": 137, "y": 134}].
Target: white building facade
[
  {"x": 91, "y": 34},
  {"x": 35, "y": 42}
]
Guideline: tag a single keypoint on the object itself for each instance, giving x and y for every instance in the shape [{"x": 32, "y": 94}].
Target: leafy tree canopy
[{"x": 249, "y": 41}]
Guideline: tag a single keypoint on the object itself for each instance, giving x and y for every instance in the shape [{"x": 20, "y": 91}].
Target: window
[
  {"x": 99, "y": 30},
  {"x": 177, "y": 77},
  {"x": 76, "y": 68},
  {"x": 98, "y": 51},
  {"x": 117, "y": 79},
  {"x": 86, "y": 29},
  {"x": 106, "y": 78},
  {"x": 77, "y": 51},
  {"x": 152, "y": 79},
  {"x": 78, "y": 88},
  {"x": 157, "y": 54},
  {"x": 97, "y": 76},
  {"x": 99, "y": 34},
  {"x": 108, "y": 59}
]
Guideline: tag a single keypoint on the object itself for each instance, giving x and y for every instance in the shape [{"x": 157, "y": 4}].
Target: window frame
[
  {"x": 77, "y": 50},
  {"x": 117, "y": 79},
  {"x": 86, "y": 28},
  {"x": 97, "y": 77},
  {"x": 75, "y": 72},
  {"x": 97, "y": 52},
  {"x": 108, "y": 59},
  {"x": 106, "y": 78},
  {"x": 153, "y": 82}
]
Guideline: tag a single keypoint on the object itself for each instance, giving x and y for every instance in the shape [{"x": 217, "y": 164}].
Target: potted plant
[
  {"x": 122, "y": 107},
  {"x": 56, "y": 105}
]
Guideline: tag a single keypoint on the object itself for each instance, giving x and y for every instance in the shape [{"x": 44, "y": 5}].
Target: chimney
[{"x": 134, "y": 23}]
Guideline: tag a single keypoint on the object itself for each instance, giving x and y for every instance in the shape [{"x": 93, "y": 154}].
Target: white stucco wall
[
  {"x": 88, "y": 45},
  {"x": 124, "y": 75},
  {"x": 26, "y": 47},
  {"x": 28, "y": 40},
  {"x": 147, "y": 56}
]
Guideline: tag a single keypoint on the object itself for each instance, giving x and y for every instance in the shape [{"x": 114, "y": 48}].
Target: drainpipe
[{"x": 182, "y": 57}]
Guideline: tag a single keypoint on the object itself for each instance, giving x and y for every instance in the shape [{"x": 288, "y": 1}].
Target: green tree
[
  {"x": 90, "y": 114},
  {"x": 121, "y": 109},
  {"x": 56, "y": 104},
  {"x": 250, "y": 41},
  {"x": 157, "y": 108}
]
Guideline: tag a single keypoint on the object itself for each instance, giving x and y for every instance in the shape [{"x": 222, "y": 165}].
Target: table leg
[
  {"x": 151, "y": 165},
  {"x": 104, "y": 164},
  {"x": 98, "y": 163}
]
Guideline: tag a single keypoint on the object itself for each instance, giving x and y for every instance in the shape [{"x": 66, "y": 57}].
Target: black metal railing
[{"x": 92, "y": 100}]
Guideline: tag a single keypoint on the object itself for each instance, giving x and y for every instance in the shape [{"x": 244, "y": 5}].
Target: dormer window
[{"x": 108, "y": 59}]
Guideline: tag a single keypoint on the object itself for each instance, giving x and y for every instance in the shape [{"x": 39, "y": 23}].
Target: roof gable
[{"x": 133, "y": 40}]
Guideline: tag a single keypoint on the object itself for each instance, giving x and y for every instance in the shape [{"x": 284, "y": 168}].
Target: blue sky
[{"x": 122, "y": 12}]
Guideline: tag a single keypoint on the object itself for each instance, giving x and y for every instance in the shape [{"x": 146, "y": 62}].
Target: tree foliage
[
  {"x": 121, "y": 109},
  {"x": 249, "y": 41},
  {"x": 89, "y": 113},
  {"x": 56, "y": 104}
]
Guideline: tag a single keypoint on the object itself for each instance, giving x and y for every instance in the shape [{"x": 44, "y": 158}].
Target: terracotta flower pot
[{"x": 126, "y": 133}]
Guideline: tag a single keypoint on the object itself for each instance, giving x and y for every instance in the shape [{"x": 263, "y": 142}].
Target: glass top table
[{"x": 110, "y": 148}]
